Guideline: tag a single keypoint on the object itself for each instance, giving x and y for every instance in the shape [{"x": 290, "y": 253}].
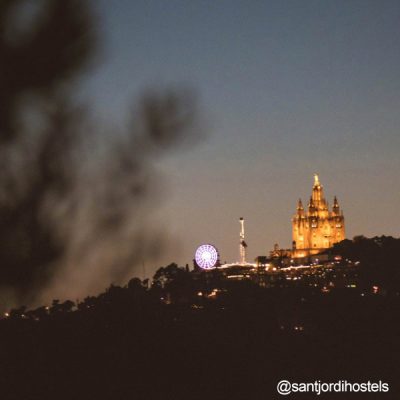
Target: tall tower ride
[
  {"x": 318, "y": 228},
  {"x": 242, "y": 243}
]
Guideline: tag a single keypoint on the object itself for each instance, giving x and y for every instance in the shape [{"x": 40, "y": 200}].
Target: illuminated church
[{"x": 318, "y": 228}]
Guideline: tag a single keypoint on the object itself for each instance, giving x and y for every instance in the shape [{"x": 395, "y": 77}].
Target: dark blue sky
[{"x": 287, "y": 88}]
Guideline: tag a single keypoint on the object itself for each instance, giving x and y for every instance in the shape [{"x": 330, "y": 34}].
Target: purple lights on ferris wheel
[{"x": 206, "y": 256}]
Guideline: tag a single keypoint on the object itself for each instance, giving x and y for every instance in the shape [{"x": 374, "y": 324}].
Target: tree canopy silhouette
[
  {"x": 37, "y": 134},
  {"x": 56, "y": 214}
]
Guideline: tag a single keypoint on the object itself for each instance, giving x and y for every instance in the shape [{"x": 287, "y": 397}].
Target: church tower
[{"x": 317, "y": 228}]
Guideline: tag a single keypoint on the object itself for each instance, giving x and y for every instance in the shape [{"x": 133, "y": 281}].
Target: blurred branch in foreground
[{"x": 70, "y": 222}]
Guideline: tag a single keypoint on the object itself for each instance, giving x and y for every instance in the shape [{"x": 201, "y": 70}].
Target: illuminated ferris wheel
[{"x": 206, "y": 256}]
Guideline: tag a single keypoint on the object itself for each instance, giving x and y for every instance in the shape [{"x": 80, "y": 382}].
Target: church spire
[
  {"x": 336, "y": 208},
  {"x": 335, "y": 202},
  {"x": 300, "y": 205},
  {"x": 318, "y": 194},
  {"x": 300, "y": 208}
]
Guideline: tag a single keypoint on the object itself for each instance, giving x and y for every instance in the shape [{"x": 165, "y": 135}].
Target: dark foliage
[
  {"x": 128, "y": 343},
  {"x": 378, "y": 257},
  {"x": 43, "y": 128},
  {"x": 41, "y": 58},
  {"x": 38, "y": 61}
]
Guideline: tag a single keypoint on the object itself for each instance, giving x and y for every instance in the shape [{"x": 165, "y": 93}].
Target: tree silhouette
[
  {"x": 62, "y": 227},
  {"x": 41, "y": 58},
  {"x": 37, "y": 132},
  {"x": 378, "y": 258}
]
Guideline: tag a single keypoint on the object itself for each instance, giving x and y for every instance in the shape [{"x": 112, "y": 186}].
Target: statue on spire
[{"x": 316, "y": 180}]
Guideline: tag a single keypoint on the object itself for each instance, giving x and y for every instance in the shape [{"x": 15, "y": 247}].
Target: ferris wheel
[{"x": 206, "y": 256}]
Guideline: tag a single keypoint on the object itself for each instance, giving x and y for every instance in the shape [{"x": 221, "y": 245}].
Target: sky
[{"x": 286, "y": 88}]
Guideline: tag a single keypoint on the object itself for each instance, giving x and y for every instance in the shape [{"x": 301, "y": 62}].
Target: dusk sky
[{"x": 287, "y": 88}]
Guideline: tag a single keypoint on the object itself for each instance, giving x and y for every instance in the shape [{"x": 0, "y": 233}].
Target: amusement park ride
[
  {"x": 314, "y": 231},
  {"x": 207, "y": 255}
]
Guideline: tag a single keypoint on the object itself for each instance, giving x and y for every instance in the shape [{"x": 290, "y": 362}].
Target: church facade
[{"x": 317, "y": 228}]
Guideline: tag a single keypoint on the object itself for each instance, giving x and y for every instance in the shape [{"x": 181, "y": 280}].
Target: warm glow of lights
[
  {"x": 299, "y": 328},
  {"x": 213, "y": 294},
  {"x": 235, "y": 276}
]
